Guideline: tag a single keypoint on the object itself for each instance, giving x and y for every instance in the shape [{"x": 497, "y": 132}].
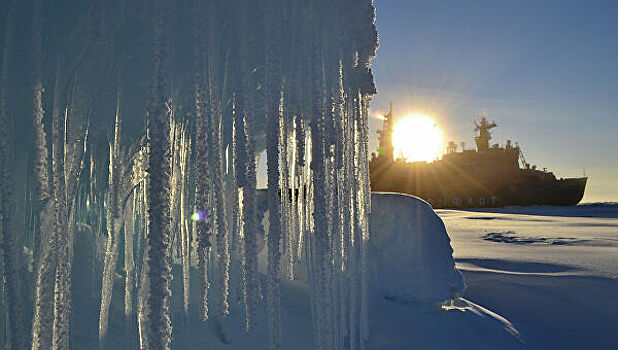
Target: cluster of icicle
[
  {"x": 316, "y": 88},
  {"x": 317, "y": 75},
  {"x": 55, "y": 205},
  {"x": 316, "y": 91},
  {"x": 312, "y": 85}
]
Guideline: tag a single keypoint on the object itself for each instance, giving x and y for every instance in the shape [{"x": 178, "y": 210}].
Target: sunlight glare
[{"x": 417, "y": 138}]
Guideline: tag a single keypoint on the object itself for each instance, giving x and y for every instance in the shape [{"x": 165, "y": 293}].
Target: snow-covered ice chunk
[{"x": 410, "y": 254}]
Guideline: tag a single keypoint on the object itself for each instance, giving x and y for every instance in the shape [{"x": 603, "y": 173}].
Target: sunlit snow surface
[{"x": 550, "y": 271}]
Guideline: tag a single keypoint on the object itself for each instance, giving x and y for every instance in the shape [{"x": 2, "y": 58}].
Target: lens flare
[{"x": 198, "y": 216}]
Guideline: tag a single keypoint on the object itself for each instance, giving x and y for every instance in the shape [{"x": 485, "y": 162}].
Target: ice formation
[{"x": 216, "y": 83}]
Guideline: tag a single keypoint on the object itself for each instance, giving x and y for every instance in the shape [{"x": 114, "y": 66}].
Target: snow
[
  {"x": 410, "y": 253},
  {"x": 551, "y": 271},
  {"x": 561, "y": 241},
  {"x": 524, "y": 291},
  {"x": 413, "y": 278}
]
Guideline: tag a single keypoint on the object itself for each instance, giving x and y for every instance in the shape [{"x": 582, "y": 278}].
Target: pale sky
[{"x": 545, "y": 71}]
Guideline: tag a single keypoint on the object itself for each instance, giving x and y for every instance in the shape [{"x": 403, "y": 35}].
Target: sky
[{"x": 545, "y": 71}]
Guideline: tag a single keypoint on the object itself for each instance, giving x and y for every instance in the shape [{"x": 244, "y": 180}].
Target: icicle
[
  {"x": 240, "y": 99},
  {"x": 10, "y": 250},
  {"x": 293, "y": 211},
  {"x": 40, "y": 164},
  {"x": 236, "y": 151},
  {"x": 322, "y": 189},
  {"x": 235, "y": 227},
  {"x": 142, "y": 258},
  {"x": 251, "y": 287},
  {"x": 354, "y": 249},
  {"x": 294, "y": 88},
  {"x": 74, "y": 165},
  {"x": 114, "y": 226},
  {"x": 364, "y": 222},
  {"x": 175, "y": 179},
  {"x": 202, "y": 149},
  {"x": 185, "y": 149},
  {"x": 60, "y": 327},
  {"x": 129, "y": 262},
  {"x": 273, "y": 115},
  {"x": 367, "y": 45},
  {"x": 250, "y": 259},
  {"x": 215, "y": 114},
  {"x": 221, "y": 236},
  {"x": 307, "y": 197},
  {"x": 143, "y": 294},
  {"x": 339, "y": 207},
  {"x": 346, "y": 208},
  {"x": 313, "y": 289},
  {"x": 44, "y": 237},
  {"x": 158, "y": 239},
  {"x": 300, "y": 140},
  {"x": 284, "y": 186}
]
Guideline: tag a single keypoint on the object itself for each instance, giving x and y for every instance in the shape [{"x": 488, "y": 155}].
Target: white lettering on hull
[{"x": 458, "y": 202}]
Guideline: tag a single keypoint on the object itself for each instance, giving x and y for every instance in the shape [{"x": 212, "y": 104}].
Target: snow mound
[
  {"x": 410, "y": 255},
  {"x": 415, "y": 285}
]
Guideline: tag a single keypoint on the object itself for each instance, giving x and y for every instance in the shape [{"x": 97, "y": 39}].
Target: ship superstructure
[{"x": 488, "y": 176}]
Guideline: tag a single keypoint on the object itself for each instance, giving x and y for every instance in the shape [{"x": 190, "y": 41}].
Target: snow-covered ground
[
  {"x": 535, "y": 278},
  {"x": 552, "y": 272}
]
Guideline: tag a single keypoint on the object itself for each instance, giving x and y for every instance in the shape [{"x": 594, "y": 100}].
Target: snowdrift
[
  {"x": 415, "y": 284},
  {"x": 411, "y": 258}
]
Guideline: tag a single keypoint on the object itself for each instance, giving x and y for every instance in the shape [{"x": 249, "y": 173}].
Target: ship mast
[{"x": 482, "y": 141}]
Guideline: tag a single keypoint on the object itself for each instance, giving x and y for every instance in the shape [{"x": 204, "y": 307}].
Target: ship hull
[
  {"x": 446, "y": 188},
  {"x": 563, "y": 192}
]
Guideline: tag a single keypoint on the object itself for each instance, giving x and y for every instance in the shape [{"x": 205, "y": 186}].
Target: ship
[{"x": 485, "y": 177}]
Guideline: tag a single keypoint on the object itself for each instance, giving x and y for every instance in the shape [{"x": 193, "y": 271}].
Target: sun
[{"x": 417, "y": 138}]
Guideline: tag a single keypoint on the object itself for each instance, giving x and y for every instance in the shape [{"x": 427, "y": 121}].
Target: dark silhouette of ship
[{"x": 485, "y": 177}]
